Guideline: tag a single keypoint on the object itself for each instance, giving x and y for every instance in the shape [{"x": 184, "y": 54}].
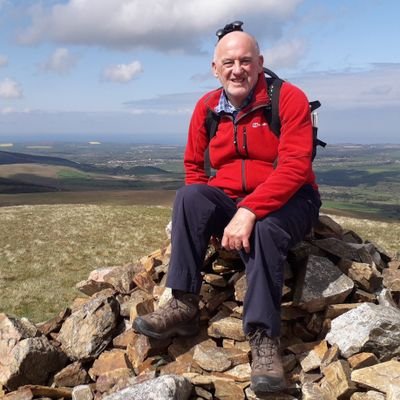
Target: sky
[{"x": 132, "y": 70}]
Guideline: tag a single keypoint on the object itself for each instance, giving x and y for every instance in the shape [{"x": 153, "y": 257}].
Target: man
[{"x": 262, "y": 200}]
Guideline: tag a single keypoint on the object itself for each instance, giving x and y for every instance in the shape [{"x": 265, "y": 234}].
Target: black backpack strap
[
  {"x": 211, "y": 124},
  {"x": 272, "y": 112},
  {"x": 314, "y": 105}
]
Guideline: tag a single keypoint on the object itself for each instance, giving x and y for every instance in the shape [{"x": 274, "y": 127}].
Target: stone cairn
[{"x": 340, "y": 331}]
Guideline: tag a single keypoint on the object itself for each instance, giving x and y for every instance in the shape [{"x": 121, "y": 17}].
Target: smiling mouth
[{"x": 237, "y": 81}]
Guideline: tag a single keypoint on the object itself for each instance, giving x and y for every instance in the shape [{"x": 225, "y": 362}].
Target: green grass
[
  {"x": 72, "y": 174},
  {"x": 348, "y": 206},
  {"x": 45, "y": 250}
]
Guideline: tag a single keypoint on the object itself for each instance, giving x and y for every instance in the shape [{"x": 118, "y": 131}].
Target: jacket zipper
[
  {"x": 235, "y": 138},
  {"x": 245, "y": 142},
  {"x": 244, "y": 146}
]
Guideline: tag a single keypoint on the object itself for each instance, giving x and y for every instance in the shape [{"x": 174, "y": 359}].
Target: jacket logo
[{"x": 258, "y": 124}]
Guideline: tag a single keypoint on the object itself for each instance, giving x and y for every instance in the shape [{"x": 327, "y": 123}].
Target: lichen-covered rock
[
  {"x": 167, "y": 387},
  {"x": 88, "y": 331},
  {"x": 369, "y": 327}
]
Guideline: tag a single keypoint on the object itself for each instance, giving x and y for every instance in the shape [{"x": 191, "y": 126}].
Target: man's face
[{"x": 237, "y": 64}]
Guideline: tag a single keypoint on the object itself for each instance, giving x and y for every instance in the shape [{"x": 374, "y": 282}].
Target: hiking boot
[
  {"x": 179, "y": 316},
  {"x": 267, "y": 373}
]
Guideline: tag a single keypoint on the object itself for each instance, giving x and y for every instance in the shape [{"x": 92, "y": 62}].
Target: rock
[
  {"x": 144, "y": 281},
  {"x": 120, "y": 377},
  {"x": 54, "y": 324},
  {"x": 95, "y": 282},
  {"x": 313, "y": 359},
  {"x": 311, "y": 391},
  {"x": 21, "y": 394},
  {"x": 379, "y": 376},
  {"x": 211, "y": 358},
  {"x": 241, "y": 288},
  {"x": 87, "y": 332},
  {"x": 385, "y": 299},
  {"x": 128, "y": 302},
  {"x": 12, "y": 330},
  {"x": 82, "y": 392},
  {"x": 228, "y": 390},
  {"x": 31, "y": 360},
  {"x": 320, "y": 284},
  {"x": 369, "y": 328},
  {"x": 334, "y": 310},
  {"x": 336, "y": 383},
  {"x": 240, "y": 373},
  {"x": 72, "y": 375},
  {"x": 393, "y": 392},
  {"x": 167, "y": 387},
  {"x": 370, "y": 395},
  {"x": 121, "y": 278},
  {"x": 49, "y": 392},
  {"x": 222, "y": 326},
  {"x": 250, "y": 395},
  {"x": 338, "y": 248},
  {"x": 365, "y": 275},
  {"x": 215, "y": 280},
  {"x": 391, "y": 279},
  {"x": 143, "y": 347},
  {"x": 362, "y": 360},
  {"x": 109, "y": 361}
]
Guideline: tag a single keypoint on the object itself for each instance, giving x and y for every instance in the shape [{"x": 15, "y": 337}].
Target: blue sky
[{"x": 132, "y": 70}]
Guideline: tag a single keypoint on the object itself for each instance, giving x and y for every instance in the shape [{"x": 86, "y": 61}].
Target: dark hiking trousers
[{"x": 201, "y": 211}]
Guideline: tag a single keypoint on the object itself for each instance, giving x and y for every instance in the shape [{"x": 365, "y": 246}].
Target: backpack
[{"x": 271, "y": 114}]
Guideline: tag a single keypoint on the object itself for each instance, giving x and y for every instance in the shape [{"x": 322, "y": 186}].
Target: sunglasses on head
[{"x": 228, "y": 28}]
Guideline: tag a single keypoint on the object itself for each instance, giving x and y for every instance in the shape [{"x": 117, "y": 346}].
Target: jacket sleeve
[
  {"x": 196, "y": 145},
  {"x": 294, "y": 166}
]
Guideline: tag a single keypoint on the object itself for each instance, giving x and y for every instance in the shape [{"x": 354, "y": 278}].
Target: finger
[
  {"x": 246, "y": 246},
  {"x": 225, "y": 242}
]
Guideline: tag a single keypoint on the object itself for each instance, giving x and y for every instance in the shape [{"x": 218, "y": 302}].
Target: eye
[
  {"x": 227, "y": 63},
  {"x": 246, "y": 61}
]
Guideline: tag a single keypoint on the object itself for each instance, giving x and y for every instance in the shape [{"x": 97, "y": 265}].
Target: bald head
[
  {"x": 232, "y": 38},
  {"x": 237, "y": 64}
]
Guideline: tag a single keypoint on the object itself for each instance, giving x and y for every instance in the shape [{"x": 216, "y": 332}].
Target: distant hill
[
  {"x": 7, "y": 157},
  {"x": 30, "y": 173},
  {"x": 12, "y": 186}
]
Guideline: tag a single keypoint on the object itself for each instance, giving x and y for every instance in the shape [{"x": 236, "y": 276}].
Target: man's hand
[{"x": 238, "y": 231}]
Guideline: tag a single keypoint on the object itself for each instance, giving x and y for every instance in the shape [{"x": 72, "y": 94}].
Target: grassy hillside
[
  {"x": 46, "y": 249},
  {"x": 31, "y": 178}
]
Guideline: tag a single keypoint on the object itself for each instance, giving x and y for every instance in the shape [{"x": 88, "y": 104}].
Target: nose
[{"x": 237, "y": 67}]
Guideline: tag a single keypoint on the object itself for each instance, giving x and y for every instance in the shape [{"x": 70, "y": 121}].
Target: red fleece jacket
[{"x": 252, "y": 163}]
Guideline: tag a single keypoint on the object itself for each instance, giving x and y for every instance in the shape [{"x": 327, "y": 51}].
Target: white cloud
[
  {"x": 375, "y": 88},
  {"x": 123, "y": 72},
  {"x": 285, "y": 54},
  {"x": 10, "y": 89},
  {"x": 61, "y": 61},
  {"x": 3, "y": 59},
  {"x": 167, "y": 104},
  {"x": 164, "y": 25},
  {"x": 7, "y": 110}
]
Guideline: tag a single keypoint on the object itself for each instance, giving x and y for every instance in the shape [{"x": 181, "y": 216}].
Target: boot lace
[
  {"x": 174, "y": 311},
  {"x": 263, "y": 350}
]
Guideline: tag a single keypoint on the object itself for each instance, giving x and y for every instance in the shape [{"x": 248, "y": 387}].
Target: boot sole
[
  {"x": 189, "y": 329},
  {"x": 263, "y": 385}
]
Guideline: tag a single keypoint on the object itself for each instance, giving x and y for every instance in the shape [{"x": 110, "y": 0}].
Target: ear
[
  {"x": 214, "y": 69},
  {"x": 260, "y": 63}
]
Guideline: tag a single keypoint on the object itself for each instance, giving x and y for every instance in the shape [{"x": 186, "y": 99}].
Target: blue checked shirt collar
[{"x": 225, "y": 106}]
